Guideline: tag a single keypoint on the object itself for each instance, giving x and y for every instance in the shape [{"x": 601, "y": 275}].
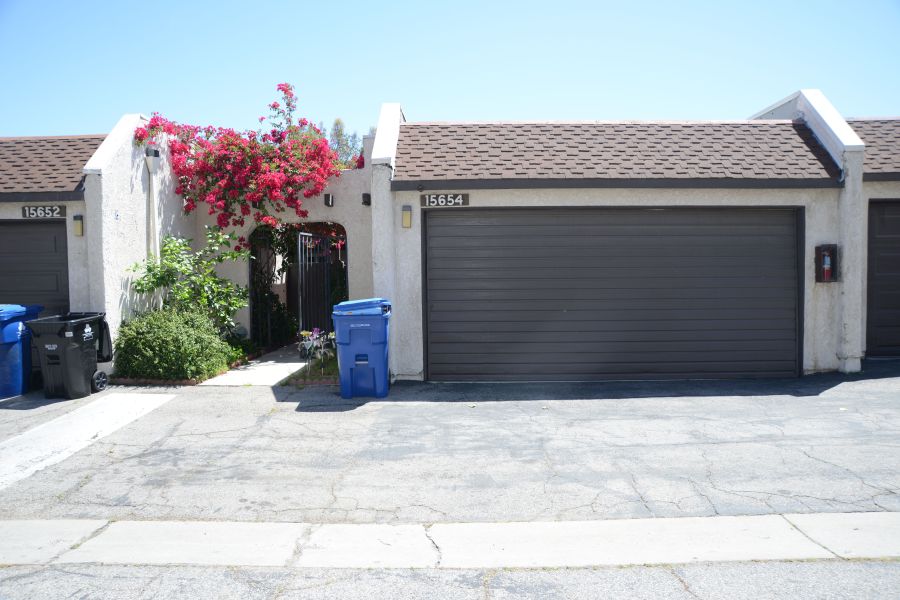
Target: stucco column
[
  {"x": 854, "y": 219},
  {"x": 383, "y": 278}
]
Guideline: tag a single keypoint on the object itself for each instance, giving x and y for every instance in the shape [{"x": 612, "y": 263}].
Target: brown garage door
[
  {"x": 34, "y": 264},
  {"x": 883, "y": 311},
  {"x": 592, "y": 294}
]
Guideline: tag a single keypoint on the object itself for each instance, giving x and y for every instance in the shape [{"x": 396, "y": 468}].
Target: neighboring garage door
[
  {"x": 883, "y": 311},
  {"x": 34, "y": 264},
  {"x": 589, "y": 294}
]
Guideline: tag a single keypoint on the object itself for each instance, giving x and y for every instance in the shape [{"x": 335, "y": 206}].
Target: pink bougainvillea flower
[{"x": 238, "y": 173}]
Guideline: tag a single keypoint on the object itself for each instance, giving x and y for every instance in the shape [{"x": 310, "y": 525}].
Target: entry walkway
[
  {"x": 269, "y": 369},
  {"x": 557, "y": 544}
]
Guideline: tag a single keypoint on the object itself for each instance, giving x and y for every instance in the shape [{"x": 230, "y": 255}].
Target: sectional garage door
[
  {"x": 593, "y": 294},
  {"x": 34, "y": 264},
  {"x": 883, "y": 315}
]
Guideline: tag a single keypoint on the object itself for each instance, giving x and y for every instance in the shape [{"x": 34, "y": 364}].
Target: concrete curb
[{"x": 455, "y": 545}]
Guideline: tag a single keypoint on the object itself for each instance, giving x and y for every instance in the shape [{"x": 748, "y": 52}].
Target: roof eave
[
  {"x": 43, "y": 196},
  {"x": 399, "y": 185}
]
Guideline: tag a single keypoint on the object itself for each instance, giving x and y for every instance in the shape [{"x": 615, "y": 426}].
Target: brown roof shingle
[
  {"x": 30, "y": 166},
  {"x": 882, "y": 140},
  {"x": 611, "y": 154}
]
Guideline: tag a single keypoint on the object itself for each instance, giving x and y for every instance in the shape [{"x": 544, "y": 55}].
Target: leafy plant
[
  {"x": 170, "y": 344},
  {"x": 187, "y": 279},
  {"x": 318, "y": 346}
]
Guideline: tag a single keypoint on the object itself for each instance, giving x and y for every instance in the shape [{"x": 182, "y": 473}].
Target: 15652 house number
[
  {"x": 433, "y": 200},
  {"x": 43, "y": 212}
]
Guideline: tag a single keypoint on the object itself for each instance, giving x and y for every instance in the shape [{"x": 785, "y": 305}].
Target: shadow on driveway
[{"x": 328, "y": 399}]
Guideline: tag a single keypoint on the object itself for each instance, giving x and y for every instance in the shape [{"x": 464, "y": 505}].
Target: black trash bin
[{"x": 69, "y": 347}]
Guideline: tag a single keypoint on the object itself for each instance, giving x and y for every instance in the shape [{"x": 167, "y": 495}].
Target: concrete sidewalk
[
  {"x": 268, "y": 369},
  {"x": 553, "y": 544}
]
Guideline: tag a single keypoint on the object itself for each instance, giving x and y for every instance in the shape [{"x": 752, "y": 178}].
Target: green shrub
[{"x": 170, "y": 344}]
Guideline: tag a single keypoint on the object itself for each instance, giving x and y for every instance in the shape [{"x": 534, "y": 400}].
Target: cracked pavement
[{"x": 479, "y": 453}]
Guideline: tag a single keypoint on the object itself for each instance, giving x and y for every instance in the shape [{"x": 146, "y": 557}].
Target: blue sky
[{"x": 76, "y": 66}]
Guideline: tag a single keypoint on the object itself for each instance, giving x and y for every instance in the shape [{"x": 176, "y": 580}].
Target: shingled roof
[
  {"x": 882, "y": 140},
  {"x": 611, "y": 154},
  {"x": 45, "y": 168}
]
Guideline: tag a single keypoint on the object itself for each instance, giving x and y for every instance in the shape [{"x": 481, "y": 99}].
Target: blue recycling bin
[
  {"x": 361, "y": 333},
  {"x": 15, "y": 348}
]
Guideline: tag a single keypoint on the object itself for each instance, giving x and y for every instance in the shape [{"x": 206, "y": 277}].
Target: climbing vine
[{"x": 240, "y": 175}]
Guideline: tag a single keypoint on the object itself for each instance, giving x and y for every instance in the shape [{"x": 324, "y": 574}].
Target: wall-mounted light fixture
[
  {"x": 406, "y": 215},
  {"x": 367, "y": 199},
  {"x": 329, "y": 200},
  {"x": 78, "y": 225}
]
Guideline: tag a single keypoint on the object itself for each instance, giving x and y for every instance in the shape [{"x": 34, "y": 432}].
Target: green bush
[{"x": 170, "y": 344}]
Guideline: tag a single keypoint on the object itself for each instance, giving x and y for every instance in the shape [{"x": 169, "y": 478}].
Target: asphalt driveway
[{"x": 469, "y": 453}]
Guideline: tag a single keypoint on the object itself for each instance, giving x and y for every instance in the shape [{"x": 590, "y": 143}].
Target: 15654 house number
[
  {"x": 43, "y": 212},
  {"x": 433, "y": 200}
]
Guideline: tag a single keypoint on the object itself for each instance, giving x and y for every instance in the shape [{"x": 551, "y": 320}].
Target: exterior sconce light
[
  {"x": 406, "y": 216},
  {"x": 367, "y": 199},
  {"x": 78, "y": 225},
  {"x": 329, "y": 200}
]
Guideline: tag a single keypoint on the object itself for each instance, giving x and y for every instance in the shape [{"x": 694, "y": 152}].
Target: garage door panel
[
  {"x": 737, "y": 282},
  {"x": 526, "y": 241},
  {"x": 683, "y": 326},
  {"x": 619, "y": 347},
  {"x": 574, "y": 232},
  {"x": 624, "y": 274},
  {"x": 668, "y": 216},
  {"x": 617, "y": 252},
  {"x": 604, "y": 371},
  {"x": 660, "y": 260},
  {"x": 568, "y": 294},
  {"x": 607, "y": 304},
  {"x": 555, "y": 293},
  {"x": 653, "y": 335}
]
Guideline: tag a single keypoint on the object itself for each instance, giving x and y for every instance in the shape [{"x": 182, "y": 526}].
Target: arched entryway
[{"x": 296, "y": 275}]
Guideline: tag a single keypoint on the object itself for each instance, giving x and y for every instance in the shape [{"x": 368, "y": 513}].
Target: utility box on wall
[{"x": 827, "y": 263}]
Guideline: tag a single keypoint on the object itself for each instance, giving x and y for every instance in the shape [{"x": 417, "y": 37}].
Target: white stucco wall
[
  {"x": 820, "y": 336},
  {"x": 348, "y": 211},
  {"x": 117, "y": 184}
]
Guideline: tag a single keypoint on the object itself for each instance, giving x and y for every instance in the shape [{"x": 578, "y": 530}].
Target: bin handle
[{"x": 104, "y": 351}]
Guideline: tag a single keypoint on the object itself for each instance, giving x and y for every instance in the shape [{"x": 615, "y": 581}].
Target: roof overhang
[
  {"x": 574, "y": 183},
  {"x": 70, "y": 196}
]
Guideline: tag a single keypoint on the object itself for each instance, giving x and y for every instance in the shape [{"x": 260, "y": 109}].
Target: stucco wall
[
  {"x": 820, "y": 340},
  {"x": 348, "y": 211},
  {"x": 117, "y": 185}
]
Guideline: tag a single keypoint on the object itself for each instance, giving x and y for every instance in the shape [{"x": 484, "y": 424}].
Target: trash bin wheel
[{"x": 99, "y": 381}]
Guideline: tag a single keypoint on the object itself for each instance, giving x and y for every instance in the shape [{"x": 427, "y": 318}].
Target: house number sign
[
  {"x": 444, "y": 200},
  {"x": 43, "y": 212}
]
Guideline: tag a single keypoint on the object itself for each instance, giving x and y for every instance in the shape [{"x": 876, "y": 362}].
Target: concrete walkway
[
  {"x": 556, "y": 544},
  {"x": 269, "y": 369}
]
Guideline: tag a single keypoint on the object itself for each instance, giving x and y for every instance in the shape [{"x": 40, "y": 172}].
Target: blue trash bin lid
[
  {"x": 369, "y": 306},
  {"x": 11, "y": 311}
]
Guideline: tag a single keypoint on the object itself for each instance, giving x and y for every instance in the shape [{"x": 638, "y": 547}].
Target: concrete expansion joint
[
  {"x": 806, "y": 535},
  {"x": 687, "y": 588},
  {"x": 98, "y": 531}
]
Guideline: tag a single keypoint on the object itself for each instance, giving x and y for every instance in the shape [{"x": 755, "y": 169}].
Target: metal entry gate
[
  {"x": 610, "y": 293},
  {"x": 314, "y": 263}
]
